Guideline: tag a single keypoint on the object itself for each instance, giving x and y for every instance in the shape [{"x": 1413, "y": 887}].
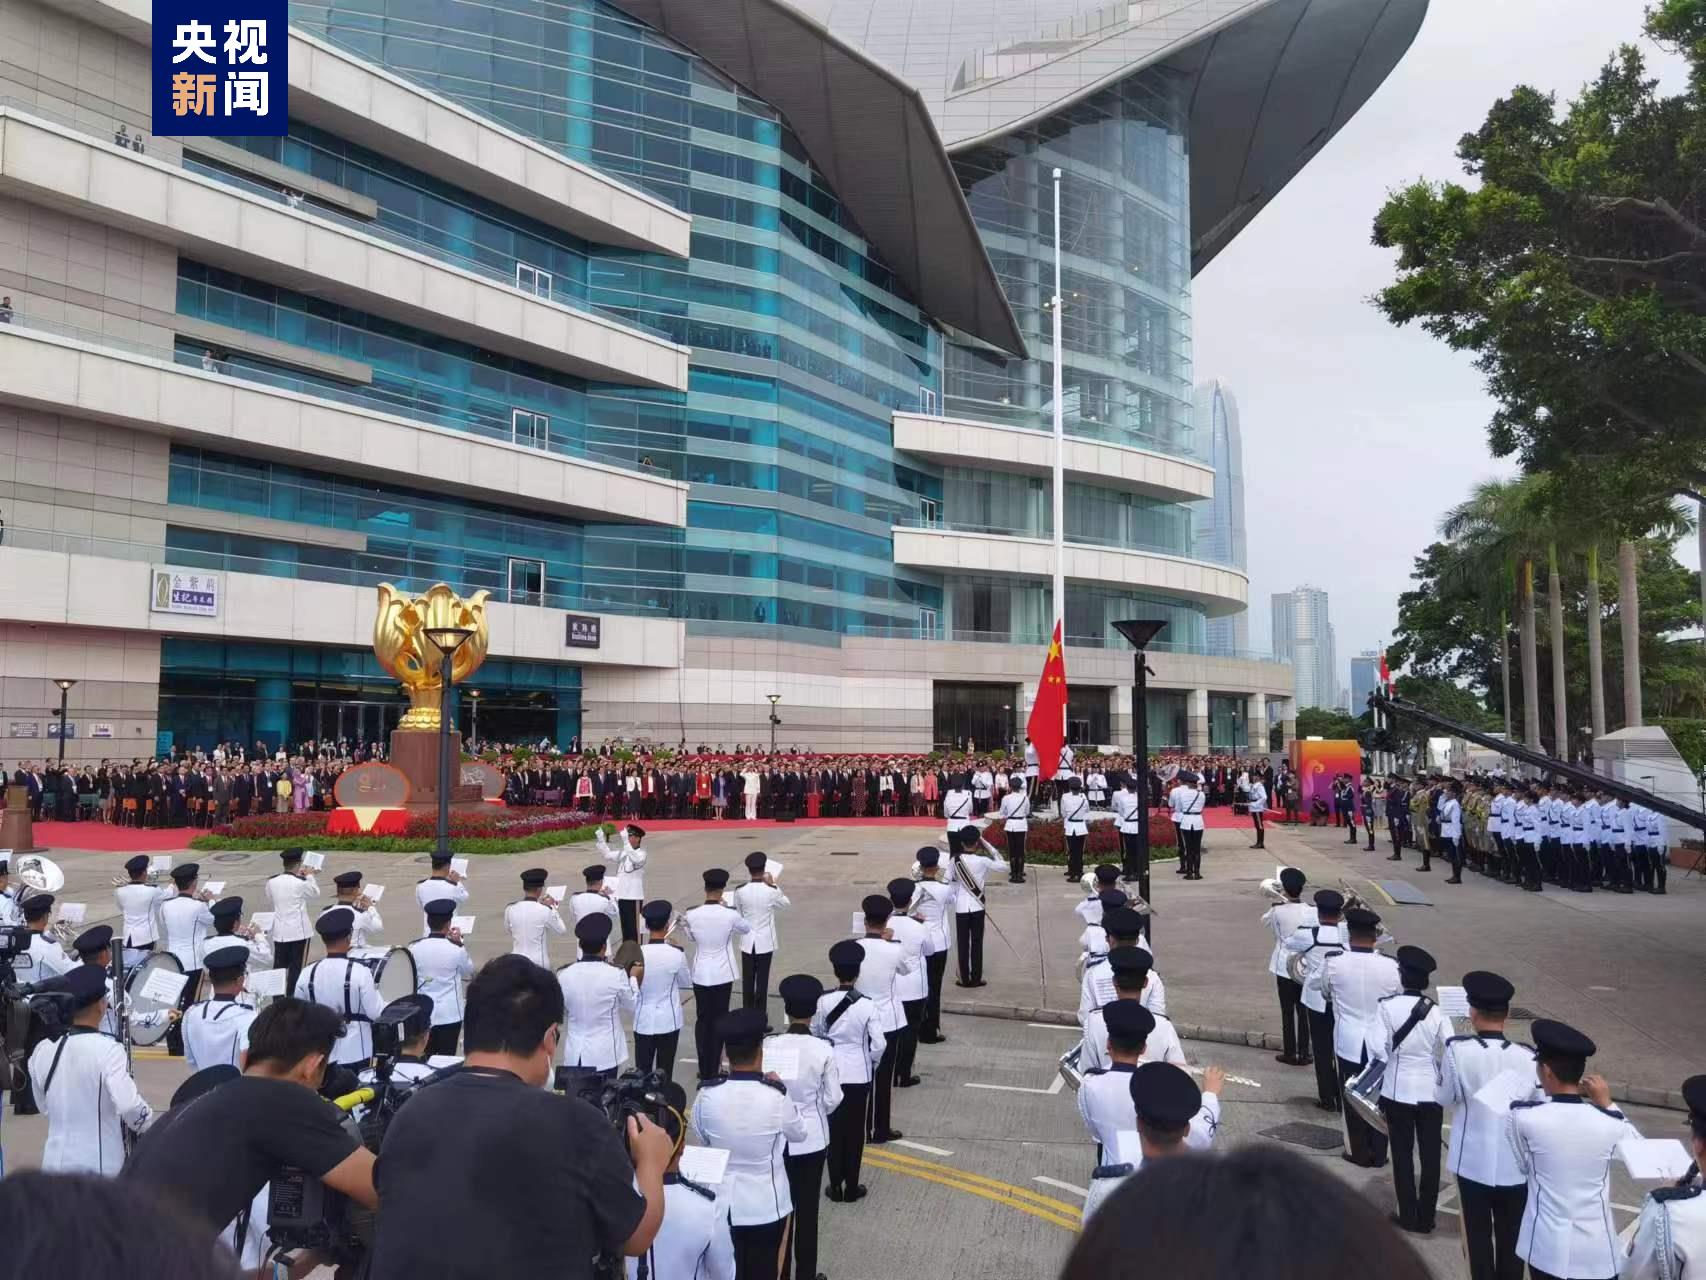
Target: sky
[{"x": 1358, "y": 435}]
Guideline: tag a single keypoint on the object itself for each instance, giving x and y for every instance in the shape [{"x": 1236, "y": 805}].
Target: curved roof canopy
[{"x": 880, "y": 90}]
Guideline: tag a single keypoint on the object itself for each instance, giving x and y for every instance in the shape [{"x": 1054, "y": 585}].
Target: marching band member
[
  {"x": 1123, "y": 927},
  {"x": 663, "y": 977},
  {"x": 1354, "y": 982},
  {"x": 217, "y": 1029},
  {"x": 44, "y": 958},
  {"x": 227, "y": 932},
  {"x": 532, "y": 919},
  {"x": 442, "y": 882},
  {"x": 911, "y": 986},
  {"x": 630, "y": 876},
  {"x": 185, "y": 925},
  {"x": 1670, "y": 1237},
  {"x": 815, "y": 1090},
  {"x": 694, "y": 1241},
  {"x": 1413, "y": 1032},
  {"x": 136, "y": 902},
  {"x": 758, "y": 901},
  {"x": 289, "y": 893},
  {"x": 850, "y": 1023},
  {"x": 1172, "y": 1115},
  {"x": 933, "y": 907},
  {"x": 344, "y": 986},
  {"x": 1316, "y": 943},
  {"x": 1130, "y": 968},
  {"x": 1491, "y": 1189},
  {"x": 442, "y": 966},
  {"x": 879, "y": 975},
  {"x": 367, "y": 918},
  {"x": 83, "y": 1083},
  {"x": 711, "y": 925},
  {"x": 1107, "y": 878},
  {"x": 1285, "y": 919},
  {"x": 595, "y": 899},
  {"x": 411, "y": 1064},
  {"x": 969, "y": 875},
  {"x": 595, "y": 996},
  {"x": 9, "y": 913}
]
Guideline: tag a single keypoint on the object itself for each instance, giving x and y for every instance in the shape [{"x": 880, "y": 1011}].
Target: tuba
[{"x": 38, "y": 875}]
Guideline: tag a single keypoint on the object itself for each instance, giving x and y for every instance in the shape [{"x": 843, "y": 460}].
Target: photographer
[
  {"x": 213, "y": 1155},
  {"x": 485, "y": 1173}
]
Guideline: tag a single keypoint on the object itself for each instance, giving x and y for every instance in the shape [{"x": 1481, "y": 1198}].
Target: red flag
[
  {"x": 1385, "y": 675},
  {"x": 1047, "y": 726}
]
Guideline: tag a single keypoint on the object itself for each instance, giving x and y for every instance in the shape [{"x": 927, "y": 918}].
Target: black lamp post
[
  {"x": 64, "y": 700},
  {"x": 774, "y": 719},
  {"x": 447, "y": 640},
  {"x": 474, "y": 707},
  {"x": 1140, "y": 631}
]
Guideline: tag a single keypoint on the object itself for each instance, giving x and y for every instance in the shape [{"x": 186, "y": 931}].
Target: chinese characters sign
[
  {"x": 219, "y": 69},
  {"x": 583, "y": 631},
  {"x": 178, "y": 591}
]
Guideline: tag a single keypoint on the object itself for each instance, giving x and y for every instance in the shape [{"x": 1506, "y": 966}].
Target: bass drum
[
  {"x": 146, "y": 1015},
  {"x": 393, "y": 970}
]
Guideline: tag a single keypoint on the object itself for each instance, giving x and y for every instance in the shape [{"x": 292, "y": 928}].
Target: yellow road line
[{"x": 1001, "y": 1193}]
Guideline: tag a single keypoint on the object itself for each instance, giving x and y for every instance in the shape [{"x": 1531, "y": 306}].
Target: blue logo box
[{"x": 220, "y": 69}]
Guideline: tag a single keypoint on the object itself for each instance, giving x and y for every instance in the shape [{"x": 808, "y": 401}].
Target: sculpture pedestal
[{"x": 414, "y": 752}]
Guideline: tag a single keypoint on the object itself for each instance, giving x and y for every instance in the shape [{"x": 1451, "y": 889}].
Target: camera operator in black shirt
[
  {"x": 212, "y": 1155},
  {"x": 484, "y": 1173}
]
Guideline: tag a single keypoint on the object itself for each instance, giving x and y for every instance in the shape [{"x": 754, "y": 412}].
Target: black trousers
[
  {"x": 656, "y": 1053},
  {"x": 289, "y": 957},
  {"x": 1492, "y": 1216},
  {"x": 1294, "y": 1018},
  {"x": 755, "y": 978},
  {"x": 628, "y": 909},
  {"x": 935, "y": 968},
  {"x": 1396, "y": 832},
  {"x": 805, "y": 1187},
  {"x": 1365, "y": 1143},
  {"x": 186, "y": 997},
  {"x": 710, "y": 1003},
  {"x": 1452, "y": 847},
  {"x": 1016, "y": 855},
  {"x": 906, "y": 1048},
  {"x": 847, "y": 1136},
  {"x": 1075, "y": 856},
  {"x": 443, "y": 1040},
  {"x": 968, "y": 941},
  {"x": 1414, "y": 1127},
  {"x": 1190, "y": 849},
  {"x": 1258, "y": 824},
  {"x": 1131, "y": 856},
  {"x": 758, "y": 1250},
  {"x": 1326, "y": 1074},
  {"x": 881, "y": 1110}
]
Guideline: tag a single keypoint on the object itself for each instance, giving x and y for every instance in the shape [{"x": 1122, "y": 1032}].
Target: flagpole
[{"x": 1059, "y": 439}]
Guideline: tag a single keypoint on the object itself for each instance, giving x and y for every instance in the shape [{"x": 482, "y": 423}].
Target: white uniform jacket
[
  {"x": 347, "y": 988},
  {"x": 758, "y": 904},
  {"x": 441, "y": 967},
  {"x": 289, "y": 896},
  {"x": 1354, "y": 982},
  {"x": 854, "y": 1032},
  {"x": 711, "y": 925},
  {"x": 531, "y": 924},
  {"x": 815, "y": 1090},
  {"x": 89, "y": 1101},
  {"x": 1565, "y": 1146},
  {"x": 657, "y": 1009},
  {"x": 595, "y": 995},
  {"x": 1480, "y": 1148},
  {"x": 1285, "y": 919},
  {"x": 1412, "y": 1068},
  {"x": 752, "y": 1119},
  {"x": 216, "y": 1032}
]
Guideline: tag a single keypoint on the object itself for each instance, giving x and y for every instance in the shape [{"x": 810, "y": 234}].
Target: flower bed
[
  {"x": 498, "y": 831},
  {"x": 1046, "y": 842}
]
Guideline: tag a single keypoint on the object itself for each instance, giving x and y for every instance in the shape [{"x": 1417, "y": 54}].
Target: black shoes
[
  {"x": 979, "y": 983},
  {"x": 932, "y": 1039},
  {"x": 845, "y": 1197},
  {"x": 1454, "y": 880},
  {"x": 877, "y": 1139},
  {"x": 908, "y": 1082}
]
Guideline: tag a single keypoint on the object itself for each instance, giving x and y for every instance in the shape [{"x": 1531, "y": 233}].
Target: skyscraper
[
  {"x": 1219, "y": 525},
  {"x": 1303, "y": 632}
]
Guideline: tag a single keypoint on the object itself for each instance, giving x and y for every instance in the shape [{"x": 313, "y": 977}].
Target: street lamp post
[
  {"x": 447, "y": 640},
  {"x": 474, "y": 703},
  {"x": 1006, "y": 726},
  {"x": 774, "y": 719},
  {"x": 1140, "y": 631},
  {"x": 64, "y": 701}
]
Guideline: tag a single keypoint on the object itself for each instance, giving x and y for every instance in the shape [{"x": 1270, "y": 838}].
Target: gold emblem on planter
[{"x": 405, "y": 650}]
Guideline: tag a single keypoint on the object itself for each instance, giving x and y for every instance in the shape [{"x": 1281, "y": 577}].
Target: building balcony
[
  {"x": 77, "y": 580},
  {"x": 295, "y": 245},
  {"x": 339, "y": 91},
  {"x": 1216, "y": 588},
  {"x": 1013, "y": 447},
  {"x": 355, "y": 429}
]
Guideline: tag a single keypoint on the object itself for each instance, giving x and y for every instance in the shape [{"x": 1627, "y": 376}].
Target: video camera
[
  {"x": 24, "y": 1004},
  {"x": 633, "y": 1093}
]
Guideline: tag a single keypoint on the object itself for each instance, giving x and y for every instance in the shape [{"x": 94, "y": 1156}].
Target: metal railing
[
  {"x": 422, "y": 402},
  {"x": 1178, "y": 442},
  {"x": 914, "y": 521}
]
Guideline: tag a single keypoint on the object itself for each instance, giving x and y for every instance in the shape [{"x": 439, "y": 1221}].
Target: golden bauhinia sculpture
[{"x": 405, "y": 650}]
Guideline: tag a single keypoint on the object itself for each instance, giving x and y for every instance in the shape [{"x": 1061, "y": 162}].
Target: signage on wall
[
  {"x": 25, "y": 729},
  {"x": 220, "y": 69},
  {"x": 583, "y": 631},
  {"x": 70, "y": 728},
  {"x": 100, "y": 729},
  {"x": 184, "y": 591}
]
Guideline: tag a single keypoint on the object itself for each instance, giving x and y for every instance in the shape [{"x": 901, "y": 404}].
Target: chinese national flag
[
  {"x": 1385, "y": 675},
  {"x": 1047, "y": 726}
]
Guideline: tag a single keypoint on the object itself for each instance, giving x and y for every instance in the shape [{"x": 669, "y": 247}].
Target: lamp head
[
  {"x": 774, "y": 698},
  {"x": 1139, "y": 631},
  {"x": 65, "y": 685},
  {"x": 448, "y": 639}
]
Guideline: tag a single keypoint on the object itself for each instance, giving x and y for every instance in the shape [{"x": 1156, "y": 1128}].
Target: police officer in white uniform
[
  {"x": 694, "y": 1242},
  {"x": 1187, "y": 802},
  {"x": 814, "y": 1087},
  {"x": 850, "y": 1023},
  {"x": 1121, "y": 927},
  {"x": 1491, "y": 1189},
  {"x": 879, "y": 974},
  {"x": 136, "y": 902},
  {"x": 344, "y": 986},
  {"x": 217, "y": 1029},
  {"x": 44, "y": 958},
  {"x": 933, "y": 907},
  {"x": 595, "y": 996},
  {"x": 1075, "y": 824},
  {"x": 969, "y": 874},
  {"x": 442, "y": 967},
  {"x": 1125, "y": 804},
  {"x": 1355, "y": 981},
  {"x": 1016, "y": 822},
  {"x": 912, "y": 982},
  {"x": 957, "y": 805},
  {"x": 532, "y": 919},
  {"x": 1284, "y": 919},
  {"x": 1670, "y": 1238},
  {"x": 664, "y": 976},
  {"x": 1130, "y": 969},
  {"x": 289, "y": 893},
  {"x": 1565, "y": 1145},
  {"x": 185, "y": 925},
  {"x": 712, "y": 925},
  {"x": 9, "y": 913},
  {"x": 1173, "y": 1116},
  {"x": 1412, "y": 1032},
  {"x": 82, "y": 1082},
  {"x": 443, "y": 882},
  {"x": 630, "y": 885},
  {"x": 758, "y": 901},
  {"x": 748, "y": 1114},
  {"x": 596, "y": 899},
  {"x": 229, "y": 932},
  {"x": 368, "y": 921}
]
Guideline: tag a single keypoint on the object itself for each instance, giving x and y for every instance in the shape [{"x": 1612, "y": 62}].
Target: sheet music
[
  {"x": 460, "y": 867},
  {"x": 163, "y": 987},
  {"x": 463, "y": 924},
  {"x": 160, "y": 862},
  {"x": 773, "y": 868},
  {"x": 1453, "y": 1001},
  {"x": 314, "y": 861},
  {"x": 704, "y": 1165},
  {"x": 782, "y": 1055},
  {"x": 374, "y": 892},
  {"x": 215, "y": 887},
  {"x": 559, "y": 892},
  {"x": 1654, "y": 1159},
  {"x": 73, "y": 912},
  {"x": 268, "y": 982}
]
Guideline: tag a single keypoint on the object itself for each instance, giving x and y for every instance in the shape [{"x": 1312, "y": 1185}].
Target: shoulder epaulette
[
  {"x": 776, "y": 1085},
  {"x": 1665, "y": 1195},
  {"x": 1394, "y": 996},
  {"x": 1099, "y": 958},
  {"x": 712, "y": 1084},
  {"x": 1528, "y": 1102},
  {"x": 1114, "y": 1171},
  {"x": 695, "y": 1188},
  {"x": 1456, "y": 1039},
  {"x": 1097, "y": 1071}
]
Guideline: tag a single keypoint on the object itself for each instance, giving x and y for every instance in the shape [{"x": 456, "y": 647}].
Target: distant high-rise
[
  {"x": 1365, "y": 675},
  {"x": 1303, "y": 633},
  {"x": 1219, "y": 522}
]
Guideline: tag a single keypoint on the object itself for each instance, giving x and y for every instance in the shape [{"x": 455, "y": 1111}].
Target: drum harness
[{"x": 349, "y": 966}]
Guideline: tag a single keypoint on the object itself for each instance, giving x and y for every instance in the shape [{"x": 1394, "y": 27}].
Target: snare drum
[
  {"x": 393, "y": 970},
  {"x": 144, "y": 1029}
]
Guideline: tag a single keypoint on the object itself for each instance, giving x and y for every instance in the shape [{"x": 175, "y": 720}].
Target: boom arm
[{"x": 1540, "y": 760}]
